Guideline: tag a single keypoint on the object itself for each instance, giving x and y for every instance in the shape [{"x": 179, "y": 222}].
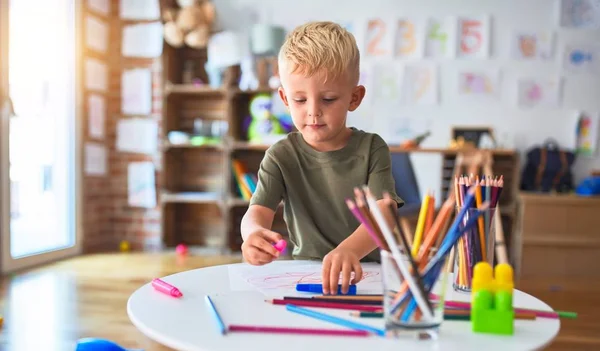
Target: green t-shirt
[{"x": 314, "y": 186}]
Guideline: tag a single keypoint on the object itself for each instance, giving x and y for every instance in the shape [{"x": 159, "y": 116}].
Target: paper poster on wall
[
  {"x": 473, "y": 37},
  {"x": 96, "y": 115},
  {"x": 579, "y": 13},
  {"x": 95, "y": 159},
  {"x": 100, "y": 6},
  {"x": 582, "y": 58},
  {"x": 587, "y": 132},
  {"x": 379, "y": 38},
  {"x": 420, "y": 85},
  {"x": 532, "y": 45},
  {"x": 136, "y": 92},
  {"x": 408, "y": 38},
  {"x": 479, "y": 84},
  {"x": 143, "y": 40},
  {"x": 141, "y": 184},
  {"x": 386, "y": 83},
  {"x": 96, "y": 34},
  {"x": 535, "y": 92},
  {"x": 139, "y": 10},
  {"x": 366, "y": 79},
  {"x": 96, "y": 75},
  {"x": 439, "y": 37},
  {"x": 137, "y": 135}
]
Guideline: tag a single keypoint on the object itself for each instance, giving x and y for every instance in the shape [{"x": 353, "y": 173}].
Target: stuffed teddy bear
[{"x": 190, "y": 24}]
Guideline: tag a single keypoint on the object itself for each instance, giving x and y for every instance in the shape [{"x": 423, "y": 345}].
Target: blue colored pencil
[
  {"x": 334, "y": 320},
  {"x": 216, "y": 315}
]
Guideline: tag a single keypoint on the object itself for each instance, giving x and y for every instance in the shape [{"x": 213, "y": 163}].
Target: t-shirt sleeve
[
  {"x": 380, "y": 171},
  {"x": 269, "y": 188}
]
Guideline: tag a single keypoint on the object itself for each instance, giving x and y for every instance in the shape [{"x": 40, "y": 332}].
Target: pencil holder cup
[
  {"x": 402, "y": 312},
  {"x": 475, "y": 244}
]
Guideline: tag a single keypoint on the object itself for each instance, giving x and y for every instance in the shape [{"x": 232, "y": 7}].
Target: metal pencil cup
[
  {"x": 474, "y": 245},
  {"x": 401, "y": 312}
]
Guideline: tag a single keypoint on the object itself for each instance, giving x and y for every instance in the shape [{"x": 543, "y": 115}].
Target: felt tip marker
[
  {"x": 166, "y": 288},
  {"x": 280, "y": 245},
  {"x": 318, "y": 288}
]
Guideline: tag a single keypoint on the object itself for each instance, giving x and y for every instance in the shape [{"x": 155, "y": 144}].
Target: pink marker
[
  {"x": 166, "y": 288},
  {"x": 280, "y": 245}
]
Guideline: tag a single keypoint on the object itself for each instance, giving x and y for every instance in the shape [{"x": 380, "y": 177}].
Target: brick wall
[{"x": 108, "y": 219}]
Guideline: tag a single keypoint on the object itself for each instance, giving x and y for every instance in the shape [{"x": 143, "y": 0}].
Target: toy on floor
[
  {"x": 124, "y": 246},
  {"x": 97, "y": 344},
  {"x": 181, "y": 249},
  {"x": 492, "y": 299}
]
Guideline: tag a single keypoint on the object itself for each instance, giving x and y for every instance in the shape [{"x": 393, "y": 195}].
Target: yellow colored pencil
[
  {"x": 420, "y": 226},
  {"x": 478, "y": 201}
]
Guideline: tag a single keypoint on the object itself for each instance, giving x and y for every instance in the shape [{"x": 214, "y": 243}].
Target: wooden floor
[{"x": 49, "y": 308}]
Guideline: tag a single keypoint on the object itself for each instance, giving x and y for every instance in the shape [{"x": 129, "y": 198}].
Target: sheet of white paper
[
  {"x": 582, "y": 58},
  {"x": 408, "y": 38},
  {"x": 96, "y": 34},
  {"x": 379, "y": 37},
  {"x": 386, "y": 83},
  {"x": 139, "y": 9},
  {"x": 136, "y": 92},
  {"x": 141, "y": 184},
  {"x": 95, "y": 159},
  {"x": 99, "y": 6},
  {"x": 579, "y": 13},
  {"x": 96, "y": 75},
  {"x": 137, "y": 135},
  {"x": 440, "y": 35},
  {"x": 281, "y": 280},
  {"x": 420, "y": 85},
  {"x": 479, "y": 84},
  {"x": 96, "y": 115},
  {"x": 532, "y": 45},
  {"x": 532, "y": 92},
  {"x": 473, "y": 37},
  {"x": 143, "y": 40}
]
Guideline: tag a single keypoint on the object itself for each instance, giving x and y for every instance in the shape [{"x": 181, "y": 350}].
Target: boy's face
[{"x": 319, "y": 107}]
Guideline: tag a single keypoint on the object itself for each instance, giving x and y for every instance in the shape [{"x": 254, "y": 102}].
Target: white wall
[{"x": 515, "y": 127}]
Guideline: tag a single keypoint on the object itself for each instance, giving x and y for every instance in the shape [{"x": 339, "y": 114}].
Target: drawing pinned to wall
[
  {"x": 420, "y": 85},
  {"x": 587, "y": 132},
  {"x": 479, "y": 84},
  {"x": 136, "y": 91},
  {"x": 473, "y": 37},
  {"x": 582, "y": 58},
  {"x": 403, "y": 128},
  {"x": 532, "y": 92},
  {"x": 96, "y": 34},
  {"x": 137, "y": 135},
  {"x": 144, "y": 40},
  {"x": 95, "y": 159},
  {"x": 386, "y": 82},
  {"x": 366, "y": 79},
  {"x": 439, "y": 37},
  {"x": 532, "y": 45},
  {"x": 407, "y": 43},
  {"x": 579, "y": 13},
  {"x": 96, "y": 115},
  {"x": 379, "y": 38},
  {"x": 100, "y": 6},
  {"x": 96, "y": 75},
  {"x": 141, "y": 184}
]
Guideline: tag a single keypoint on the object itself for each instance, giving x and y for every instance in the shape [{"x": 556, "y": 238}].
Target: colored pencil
[
  {"x": 360, "y": 200},
  {"x": 420, "y": 225},
  {"x": 336, "y": 320},
  {"x": 361, "y": 218},
  {"x": 320, "y": 304},
  {"x": 448, "y": 314},
  {"x": 329, "y": 299},
  {"x": 216, "y": 316},
  {"x": 370, "y": 298},
  {"x": 288, "y": 330}
]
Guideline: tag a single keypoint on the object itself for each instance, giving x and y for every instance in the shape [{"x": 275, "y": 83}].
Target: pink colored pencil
[
  {"x": 322, "y": 304},
  {"x": 287, "y": 330}
]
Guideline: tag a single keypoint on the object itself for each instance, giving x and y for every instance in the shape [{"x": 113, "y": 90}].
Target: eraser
[
  {"x": 280, "y": 245},
  {"x": 318, "y": 288}
]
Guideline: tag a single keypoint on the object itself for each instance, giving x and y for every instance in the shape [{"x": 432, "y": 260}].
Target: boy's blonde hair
[{"x": 317, "y": 46}]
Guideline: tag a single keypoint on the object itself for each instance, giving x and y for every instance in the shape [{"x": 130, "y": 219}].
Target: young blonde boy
[{"x": 315, "y": 169}]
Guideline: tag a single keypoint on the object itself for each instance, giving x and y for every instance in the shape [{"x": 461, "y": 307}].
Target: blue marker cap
[{"x": 318, "y": 288}]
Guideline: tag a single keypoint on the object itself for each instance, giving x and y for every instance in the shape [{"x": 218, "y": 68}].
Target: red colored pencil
[
  {"x": 288, "y": 330},
  {"x": 340, "y": 306}
]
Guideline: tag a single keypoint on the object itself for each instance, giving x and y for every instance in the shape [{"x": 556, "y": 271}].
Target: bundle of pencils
[{"x": 477, "y": 244}]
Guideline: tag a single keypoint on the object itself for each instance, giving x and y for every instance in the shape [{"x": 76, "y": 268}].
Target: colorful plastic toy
[
  {"x": 97, "y": 344},
  {"x": 492, "y": 299}
]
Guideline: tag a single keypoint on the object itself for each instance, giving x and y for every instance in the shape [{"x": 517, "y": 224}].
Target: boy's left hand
[{"x": 344, "y": 261}]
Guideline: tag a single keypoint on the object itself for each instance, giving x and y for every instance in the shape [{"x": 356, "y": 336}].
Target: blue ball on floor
[{"x": 96, "y": 344}]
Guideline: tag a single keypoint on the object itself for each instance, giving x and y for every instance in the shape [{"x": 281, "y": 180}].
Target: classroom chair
[{"x": 407, "y": 188}]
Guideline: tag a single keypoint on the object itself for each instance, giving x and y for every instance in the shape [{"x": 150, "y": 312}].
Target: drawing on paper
[
  {"x": 420, "y": 85},
  {"x": 438, "y": 36},
  {"x": 580, "y": 13},
  {"x": 477, "y": 83},
  {"x": 532, "y": 45},
  {"x": 474, "y": 36},
  {"x": 581, "y": 58},
  {"x": 406, "y": 42},
  {"x": 535, "y": 92},
  {"x": 289, "y": 280}
]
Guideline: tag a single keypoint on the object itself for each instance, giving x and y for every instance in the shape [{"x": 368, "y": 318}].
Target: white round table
[{"x": 186, "y": 323}]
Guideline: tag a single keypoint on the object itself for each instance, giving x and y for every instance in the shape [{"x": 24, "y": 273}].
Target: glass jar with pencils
[
  {"x": 407, "y": 309},
  {"x": 475, "y": 244}
]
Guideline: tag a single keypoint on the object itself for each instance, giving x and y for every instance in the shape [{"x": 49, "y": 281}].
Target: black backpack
[{"x": 548, "y": 168}]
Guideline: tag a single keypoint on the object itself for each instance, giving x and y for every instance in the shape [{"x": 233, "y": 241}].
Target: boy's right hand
[{"x": 258, "y": 248}]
